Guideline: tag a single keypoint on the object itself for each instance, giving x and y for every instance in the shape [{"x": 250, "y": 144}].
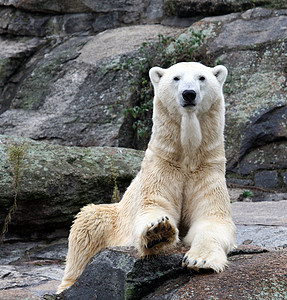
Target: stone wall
[
  {"x": 48, "y": 18},
  {"x": 63, "y": 82}
]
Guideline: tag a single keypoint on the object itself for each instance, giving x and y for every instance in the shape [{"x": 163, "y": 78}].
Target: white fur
[{"x": 181, "y": 184}]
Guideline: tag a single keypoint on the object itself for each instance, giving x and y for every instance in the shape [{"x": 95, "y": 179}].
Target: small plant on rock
[
  {"x": 248, "y": 194},
  {"x": 17, "y": 157}
]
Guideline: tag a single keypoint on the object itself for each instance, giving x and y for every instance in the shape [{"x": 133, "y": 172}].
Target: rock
[
  {"x": 20, "y": 253},
  {"x": 17, "y": 295},
  {"x": 27, "y": 23},
  {"x": 241, "y": 280},
  {"x": 76, "y": 6},
  {"x": 50, "y": 18},
  {"x": 187, "y": 8},
  {"x": 262, "y": 236},
  {"x": 125, "y": 277},
  {"x": 79, "y": 72},
  {"x": 14, "y": 52},
  {"x": 34, "y": 269},
  {"x": 58, "y": 6},
  {"x": 11, "y": 254},
  {"x": 267, "y": 213},
  {"x": 106, "y": 21},
  {"x": 267, "y": 179},
  {"x": 17, "y": 278},
  {"x": 23, "y": 23},
  {"x": 155, "y": 10},
  {"x": 58, "y": 181},
  {"x": 264, "y": 224},
  {"x": 264, "y": 34}
]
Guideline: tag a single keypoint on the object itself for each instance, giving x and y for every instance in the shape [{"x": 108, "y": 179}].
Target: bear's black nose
[{"x": 189, "y": 97}]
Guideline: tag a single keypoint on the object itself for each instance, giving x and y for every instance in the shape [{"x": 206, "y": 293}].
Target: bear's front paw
[
  {"x": 158, "y": 235},
  {"x": 205, "y": 259}
]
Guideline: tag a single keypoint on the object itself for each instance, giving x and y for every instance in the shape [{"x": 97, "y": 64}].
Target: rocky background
[
  {"x": 74, "y": 73},
  {"x": 75, "y": 115}
]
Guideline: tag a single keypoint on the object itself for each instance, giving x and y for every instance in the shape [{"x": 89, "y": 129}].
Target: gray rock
[
  {"x": 11, "y": 253},
  {"x": 106, "y": 21},
  {"x": 242, "y": 279},
  {"x": 186, "y": 8},
  {"x": 55, "y": 251},
  {"x": 71, "y": 24},
  {"x": 86, "y": 18},
  {"x": 27, "y": 23},
  {"x": 79, "y": 72},
  {"x": 241, "y": 182},
  {"x": 117, "y": 273},
  {"x": 262, "y": 236},
  {"x": 22, "y": 23},
  {"x": 22, "y": 276},
  {"x": 122, "y": 5},
  {"x": 266, "y": 179},
  {"x": 48, "y": 6},
  {"x": 58, "y": 181},
  {"x": 19, "y": 253},
  {"x": 14, "y": 52},
  {"x": 269, "y": 156},
  {"x": 263, "y": 224},
  {"x": 260, "y": 213},
  {"x": 231, "y": 36},
  {"x": 155, "y": 10},
  {"x": 131, "y": 17},
  {"x": 266, "y": 128}
]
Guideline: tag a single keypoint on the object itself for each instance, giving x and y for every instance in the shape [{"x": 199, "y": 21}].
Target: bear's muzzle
[{"x": 189, "y": 98}]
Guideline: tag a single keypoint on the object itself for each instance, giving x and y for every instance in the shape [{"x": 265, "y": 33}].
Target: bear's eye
[
  {"x": 176, "y": 78},
  {"x": 201, "y": 78}
]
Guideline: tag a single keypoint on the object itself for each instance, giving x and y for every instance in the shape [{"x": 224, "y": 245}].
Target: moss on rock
[{"x": 59, "y": 180}]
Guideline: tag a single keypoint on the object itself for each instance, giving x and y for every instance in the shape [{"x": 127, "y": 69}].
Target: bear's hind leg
[{"x": 90, "y": 233}]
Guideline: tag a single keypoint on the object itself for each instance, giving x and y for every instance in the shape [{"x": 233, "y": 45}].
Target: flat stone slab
[
  {"x": 18, "y": 294},
  {"x": 33, "y": 278},
  {"x": 263, "y": 224},
  {"x": 263, "y": 236},
  {"x": 119, "y": 41},
  {"x": 260, "y": 213}
]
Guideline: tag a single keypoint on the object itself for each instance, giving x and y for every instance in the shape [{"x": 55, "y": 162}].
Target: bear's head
[{"x": 188, "y": 86}]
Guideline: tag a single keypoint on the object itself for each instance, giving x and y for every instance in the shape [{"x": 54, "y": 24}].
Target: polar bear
[{"x": 180, "y": 191}]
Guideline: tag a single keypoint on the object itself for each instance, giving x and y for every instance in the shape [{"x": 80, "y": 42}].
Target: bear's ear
[
  {"x": 155, "y": 74},
  {"x": 220, "y": 72}
]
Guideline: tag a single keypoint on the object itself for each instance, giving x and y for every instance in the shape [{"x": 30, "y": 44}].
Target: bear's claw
[{"x": 216, "y": 262}]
